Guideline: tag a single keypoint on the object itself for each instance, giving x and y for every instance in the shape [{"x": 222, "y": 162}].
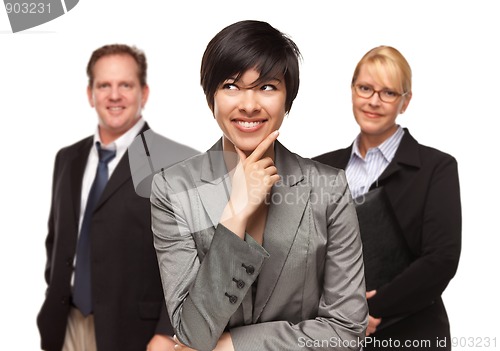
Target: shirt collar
[
  {"x": 387, "y": 148},
  {"x": 124, "y": 141}
]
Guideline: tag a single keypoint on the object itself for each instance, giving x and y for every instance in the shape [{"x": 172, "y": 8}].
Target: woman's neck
[{"x": 369, "y": 141}]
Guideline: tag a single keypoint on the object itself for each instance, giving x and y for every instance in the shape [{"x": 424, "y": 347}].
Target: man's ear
[
  {"x": 90, "y": 96},
  {"x": 145, "y": 95}
]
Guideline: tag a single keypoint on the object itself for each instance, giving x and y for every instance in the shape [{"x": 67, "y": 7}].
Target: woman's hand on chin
[{"x": 252, "y": 181}]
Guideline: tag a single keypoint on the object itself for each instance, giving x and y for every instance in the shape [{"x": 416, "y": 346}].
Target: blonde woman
[{"x": 418, "y": 196}]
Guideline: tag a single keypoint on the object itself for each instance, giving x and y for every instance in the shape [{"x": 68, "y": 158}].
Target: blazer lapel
[
  {"x": 77, "y": 170},
  {"x": 288, "y": 201},
  {"x": 121, "y": 174},
  {"x": 214, "y": 187},
  {"x": 344, "y": 157},
  {"x": 406, "y": 155}
]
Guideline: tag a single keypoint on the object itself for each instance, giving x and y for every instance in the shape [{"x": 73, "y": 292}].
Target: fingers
[
  {"x": 265, "y": 162},
  {"x": 370, "y": 294},
  {"x": 252, "y": 181},
  {"x": 265, "y": 144},
  {"x": 263, "y": 171},
  {"x": 179, "y": 346},
  {"x": 271, "y": 180},
  {"x": 373, "y": 323}
]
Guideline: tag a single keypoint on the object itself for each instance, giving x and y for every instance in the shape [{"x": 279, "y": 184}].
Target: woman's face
[
  {"x": 248, "y": 113},
  {"x": 376, "y": 118}
]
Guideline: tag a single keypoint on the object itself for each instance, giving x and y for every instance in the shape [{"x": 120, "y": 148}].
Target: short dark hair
[
  {"x": 245, "y": 45},
  {"x": 119, "y": 49}
]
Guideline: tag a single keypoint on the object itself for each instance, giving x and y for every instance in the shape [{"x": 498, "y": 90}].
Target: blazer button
[
  {"x": 239, "y": 283},
  {"x": 250, "y": 269},
  {"x": 232, "y": 299}
]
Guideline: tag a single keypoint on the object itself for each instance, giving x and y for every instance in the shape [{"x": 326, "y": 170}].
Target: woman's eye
[
  {"x": 365, "y": 88},
  {"x": 390, "y": 93},
  {"x": 229, "y": 86},
  {"x": 268, "y": 87}
]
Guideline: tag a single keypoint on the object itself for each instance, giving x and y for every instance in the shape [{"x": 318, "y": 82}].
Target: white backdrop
[{"x": 452, "y": 46}]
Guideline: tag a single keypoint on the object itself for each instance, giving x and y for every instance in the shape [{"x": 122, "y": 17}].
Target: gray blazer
[{"x": 303, "y": 289}]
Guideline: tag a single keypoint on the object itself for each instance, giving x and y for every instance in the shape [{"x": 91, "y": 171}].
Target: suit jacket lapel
[
  {"x": 77, "y": 170},
  {"x": 288, "y": 201},
  {"x": 214, "y": 187},
  {"x": 406, "y": 155},
  {"x": 344, "y": 157},
  {"x": 121, "y": 174}
]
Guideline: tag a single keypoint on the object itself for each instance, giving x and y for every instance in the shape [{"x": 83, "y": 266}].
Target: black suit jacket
[
  {"x": 129, "y": 305},
  {"x": 423, "y": 188}
]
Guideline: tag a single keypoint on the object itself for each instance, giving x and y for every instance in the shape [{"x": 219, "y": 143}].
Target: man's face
[{"x": 117, "y": 95}]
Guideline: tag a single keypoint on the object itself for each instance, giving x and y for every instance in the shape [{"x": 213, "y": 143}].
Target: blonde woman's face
[{"x": 375, "y": 117}]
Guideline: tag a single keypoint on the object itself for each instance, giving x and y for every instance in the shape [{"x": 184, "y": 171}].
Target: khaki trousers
[{"x": 80, "y": 332}]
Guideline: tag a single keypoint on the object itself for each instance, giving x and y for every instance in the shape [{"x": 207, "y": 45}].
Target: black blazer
[
  {"x": 423, "y": 188},
  {"x": 129, "y": 305}
]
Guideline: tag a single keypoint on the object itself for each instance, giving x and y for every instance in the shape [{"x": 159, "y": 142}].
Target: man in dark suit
[{"x": 121, "y": 305}]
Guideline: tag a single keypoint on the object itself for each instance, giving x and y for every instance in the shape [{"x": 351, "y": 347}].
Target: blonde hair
[{"x": 388, "y": 66}]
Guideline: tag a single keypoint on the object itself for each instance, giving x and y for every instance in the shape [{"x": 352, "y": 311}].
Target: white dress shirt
[
  {"x": 363, "y": 172},
  {"x": 120, "y": 145}
]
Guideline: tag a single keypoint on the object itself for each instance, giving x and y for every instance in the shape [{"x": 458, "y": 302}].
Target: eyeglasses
[{"x": 386, "y": 95}]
